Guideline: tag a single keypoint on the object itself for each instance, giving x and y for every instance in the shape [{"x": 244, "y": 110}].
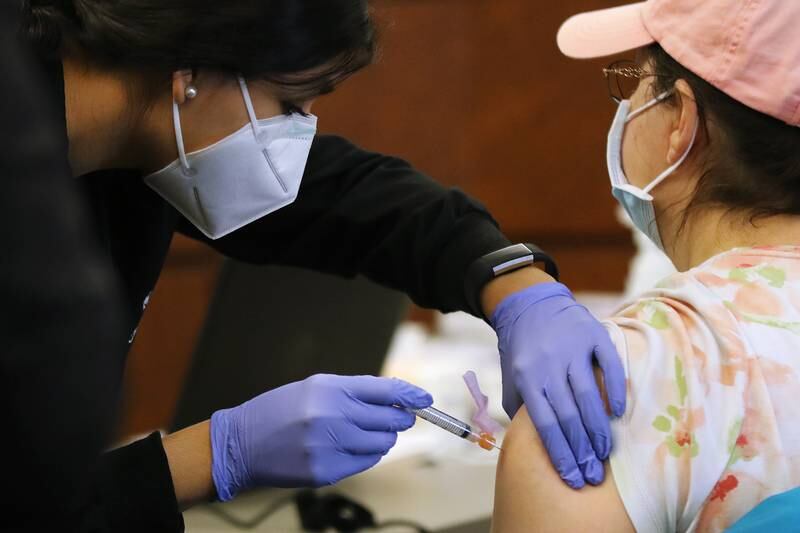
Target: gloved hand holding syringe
[
  {"x": 318, "y": 431},
  {"x": 488, "y": 427}
]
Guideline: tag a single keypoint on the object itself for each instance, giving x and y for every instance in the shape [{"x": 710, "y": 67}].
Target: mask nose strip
[
  {"x": 201, "y": 207},
  {"x": 275, "y": 171}
]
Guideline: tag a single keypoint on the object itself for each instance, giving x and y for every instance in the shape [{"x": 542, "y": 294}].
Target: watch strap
[{"x": 496, "y": 264}]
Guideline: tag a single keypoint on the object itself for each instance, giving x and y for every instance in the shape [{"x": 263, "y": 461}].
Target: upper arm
[{"x": 530, "y": 495}]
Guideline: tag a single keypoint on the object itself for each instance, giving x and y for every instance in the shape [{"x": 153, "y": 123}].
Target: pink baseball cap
[{"x": 749, "y": 49}]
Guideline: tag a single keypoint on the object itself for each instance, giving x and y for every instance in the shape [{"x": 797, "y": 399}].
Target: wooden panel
[
  {"x": 476, "y": 94},
  {"x": 601, "y": 266},
  {"x": 163, "y": 348}
]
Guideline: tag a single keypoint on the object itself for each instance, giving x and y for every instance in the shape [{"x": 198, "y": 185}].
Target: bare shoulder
[{"x": 530, "y": 495}]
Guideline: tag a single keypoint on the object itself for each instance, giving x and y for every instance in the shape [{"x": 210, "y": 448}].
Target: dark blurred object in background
[
  {"x": 59, "y": 377},
  {"x": 269, "y": 326}
]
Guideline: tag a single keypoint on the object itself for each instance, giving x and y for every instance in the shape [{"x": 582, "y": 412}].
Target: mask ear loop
[
  {"x": 249, "y": 104},
  {"x": 664, "y": 175},
  {"x": 654, "y": 102},
  {"x": 176, "y": 118}
]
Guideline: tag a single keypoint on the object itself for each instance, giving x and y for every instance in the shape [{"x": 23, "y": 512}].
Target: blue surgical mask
[{"x": 637, "y": 202}]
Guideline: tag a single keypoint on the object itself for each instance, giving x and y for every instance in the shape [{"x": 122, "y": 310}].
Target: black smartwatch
[{"x": 493, "y": 265}]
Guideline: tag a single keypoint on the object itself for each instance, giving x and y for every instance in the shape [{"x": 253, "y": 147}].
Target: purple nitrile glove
[
  {"x": 309, "y": 434},
  {"x": 548, "y": 343}
]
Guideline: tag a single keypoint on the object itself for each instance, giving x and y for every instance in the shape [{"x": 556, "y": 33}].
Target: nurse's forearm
[
  {"x": 189, "y": 455},
  {"x": 500, "y": 288}
]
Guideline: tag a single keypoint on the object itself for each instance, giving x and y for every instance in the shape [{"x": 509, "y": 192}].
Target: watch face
[{"x": 513, "y": 264}]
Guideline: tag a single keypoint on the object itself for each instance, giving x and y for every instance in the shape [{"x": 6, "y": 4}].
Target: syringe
[{"x": 455, "y": 426}]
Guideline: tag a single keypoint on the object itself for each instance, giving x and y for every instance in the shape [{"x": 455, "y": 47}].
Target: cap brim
[{"x": 605, "y": 32}]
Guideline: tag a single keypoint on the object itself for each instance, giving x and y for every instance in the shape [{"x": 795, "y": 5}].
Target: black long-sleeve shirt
[{"x": 356, "y": 213}]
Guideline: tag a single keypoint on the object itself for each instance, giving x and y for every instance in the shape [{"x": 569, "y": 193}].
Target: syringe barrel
[{"x": 444, "y": 421}]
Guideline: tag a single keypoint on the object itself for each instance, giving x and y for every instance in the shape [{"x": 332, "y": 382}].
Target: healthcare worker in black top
[{"x": 194, "y": 116}]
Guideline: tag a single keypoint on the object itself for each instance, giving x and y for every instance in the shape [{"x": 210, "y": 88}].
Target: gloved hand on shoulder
[{"x": 548, "y": 343}]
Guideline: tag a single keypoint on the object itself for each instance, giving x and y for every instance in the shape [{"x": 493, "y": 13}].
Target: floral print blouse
[{"x": 712, "y": 358}]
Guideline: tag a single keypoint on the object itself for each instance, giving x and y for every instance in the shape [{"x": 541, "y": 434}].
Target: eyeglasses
[{"x": 623, "y": 78}]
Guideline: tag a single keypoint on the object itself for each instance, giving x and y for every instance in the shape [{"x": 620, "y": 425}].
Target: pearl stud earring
[{"x": 191, "y": 92}]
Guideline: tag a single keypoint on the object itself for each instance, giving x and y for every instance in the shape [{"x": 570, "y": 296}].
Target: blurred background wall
[{"x": 473, "y": 93}]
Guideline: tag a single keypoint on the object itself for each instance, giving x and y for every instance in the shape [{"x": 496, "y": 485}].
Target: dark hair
[
  {"x": 269, "y": 40},
  {"x": 754, "y": 164}
]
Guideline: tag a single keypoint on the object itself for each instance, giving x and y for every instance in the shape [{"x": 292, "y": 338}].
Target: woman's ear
[
  {"x": 181, "y": 82},
  {"x": 684, "y": 128}
]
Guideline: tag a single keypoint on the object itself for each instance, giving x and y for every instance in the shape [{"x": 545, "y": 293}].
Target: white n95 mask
[
  {"x": 241, "y": 178},
  {"x": 637, "y": 202}
]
